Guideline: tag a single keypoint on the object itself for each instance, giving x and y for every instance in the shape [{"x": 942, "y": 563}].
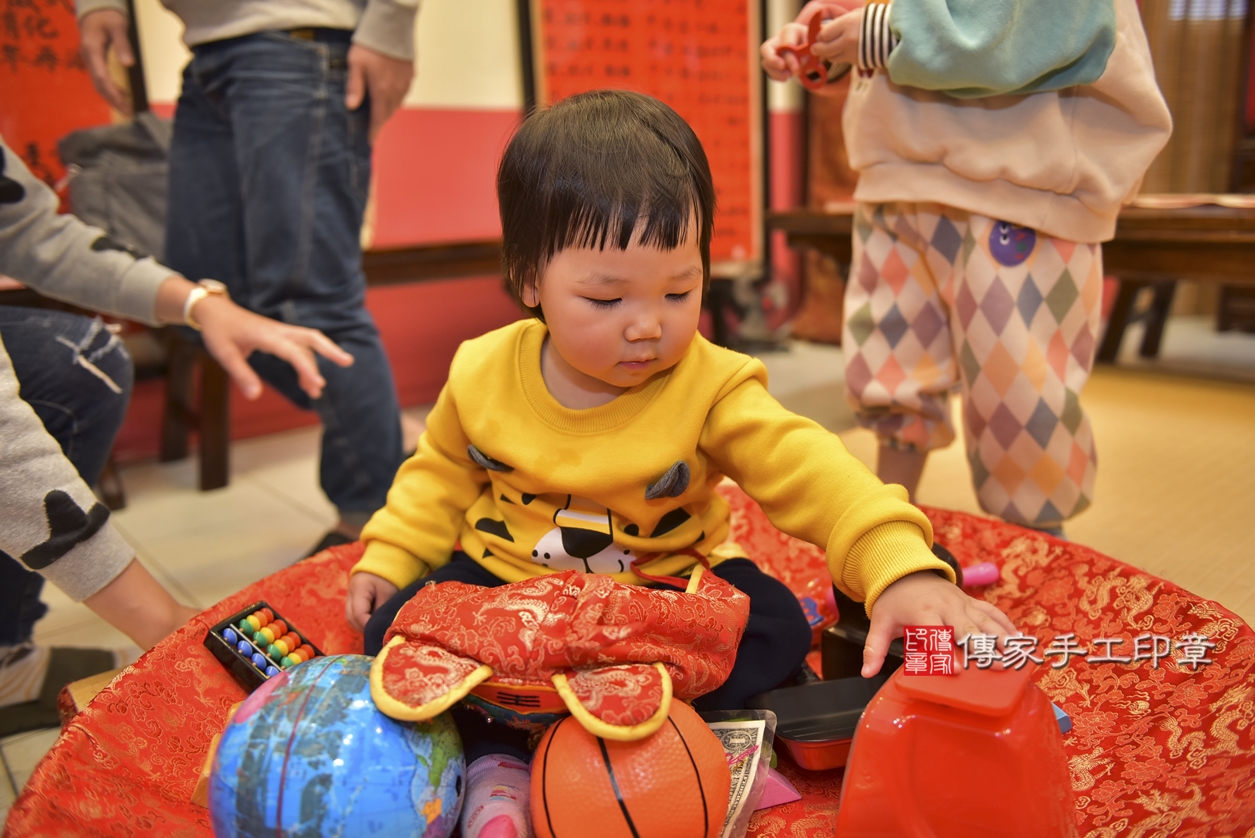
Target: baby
[{"x": 592, "y": 435}]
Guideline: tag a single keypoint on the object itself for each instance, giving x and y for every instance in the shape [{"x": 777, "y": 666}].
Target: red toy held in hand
[{"x": 812, "y": 71}]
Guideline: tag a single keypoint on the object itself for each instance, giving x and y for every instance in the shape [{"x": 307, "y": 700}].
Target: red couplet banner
[
  {"x": 46, "y": 92},
  {"x": 695, "y": 55}
]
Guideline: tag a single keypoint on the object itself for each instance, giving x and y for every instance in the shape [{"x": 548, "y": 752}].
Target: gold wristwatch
[{"x": 203, "y": 289}]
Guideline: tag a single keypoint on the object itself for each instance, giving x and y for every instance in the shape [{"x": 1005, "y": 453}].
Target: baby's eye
[
  {"x": 603, "y": 303},
  {"x": 679, "y": 298}
]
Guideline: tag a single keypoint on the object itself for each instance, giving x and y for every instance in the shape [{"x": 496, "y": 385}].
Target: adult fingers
[
  {"x": 94, "y": 49},
  {"x": 325, "y": 347},
  {"x": 234, "y": 362},
  {"x": 355, "y": 87},
  {"x": 302, "y": 360}
]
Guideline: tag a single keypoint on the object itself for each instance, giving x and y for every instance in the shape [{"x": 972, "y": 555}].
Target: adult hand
[
  {"x": 98, "y": 31},
  {"x": 384, "y": 78},
  {"x": 366, "y": 593},
  {"x": 777, "y": 66},
  {"x": 926, "y": 599},
  {"x": 838, "y": 39},
  {"x": 232, "y": 333}
]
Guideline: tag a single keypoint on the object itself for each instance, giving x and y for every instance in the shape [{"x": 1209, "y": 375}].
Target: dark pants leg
[
  {"x": 269, "y": 175},
  {"x": 776, "y": 640},
  {"x": 77, "y": 378}
]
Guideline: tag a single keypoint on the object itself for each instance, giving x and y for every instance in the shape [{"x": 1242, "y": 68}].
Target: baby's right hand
[
  {"x": 782, "y": 67},
  {"x": 366, "y": 593}
]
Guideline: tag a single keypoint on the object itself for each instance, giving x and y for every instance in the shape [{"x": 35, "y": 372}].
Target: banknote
[{"x": 742, "y": 741}]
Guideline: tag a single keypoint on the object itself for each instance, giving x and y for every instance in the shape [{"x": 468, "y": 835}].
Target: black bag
[{"x": 118, "y": 179}]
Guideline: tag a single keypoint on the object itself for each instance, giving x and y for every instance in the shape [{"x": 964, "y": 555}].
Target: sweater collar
[{"x": 619, "y": 410}]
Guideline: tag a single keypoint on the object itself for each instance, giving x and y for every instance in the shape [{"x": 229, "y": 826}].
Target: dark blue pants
[
  {"x": 269, "y": 174},
  {"x": 773, "y": 648},
  {"x": 77, "y": 378}
]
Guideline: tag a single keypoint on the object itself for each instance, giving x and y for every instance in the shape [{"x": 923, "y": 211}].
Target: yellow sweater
[{"x": 531, "y": 487}]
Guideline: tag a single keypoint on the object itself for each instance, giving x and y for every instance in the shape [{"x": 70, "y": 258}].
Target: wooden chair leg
[
  {"x": 176, "y": 420},
  {"x": 109, "y": 487},
  {"x": 214, "y": 424},
  {"x": 1121, "y": 313}
]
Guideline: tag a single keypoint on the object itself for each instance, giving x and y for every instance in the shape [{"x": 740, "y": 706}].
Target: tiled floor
[{"x": 1176, "y": 479}]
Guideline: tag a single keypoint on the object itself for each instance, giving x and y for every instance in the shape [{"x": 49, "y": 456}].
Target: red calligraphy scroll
[
  {"x": 698, "y": 57},
  {"x": 46, "y": 90}
]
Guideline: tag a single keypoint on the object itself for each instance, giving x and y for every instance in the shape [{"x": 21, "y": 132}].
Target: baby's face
[{"x": 620, "y": 316}]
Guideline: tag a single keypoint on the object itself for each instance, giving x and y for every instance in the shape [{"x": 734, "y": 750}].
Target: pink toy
[{"x": 977, "y": 575}]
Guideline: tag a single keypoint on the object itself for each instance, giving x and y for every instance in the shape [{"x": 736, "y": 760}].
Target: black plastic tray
[
  {"x": 820, "y": 711},
  {"x": 241, "y": 668}
]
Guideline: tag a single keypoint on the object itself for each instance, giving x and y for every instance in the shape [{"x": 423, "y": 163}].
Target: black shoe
[{"x": 334, "y": 538}]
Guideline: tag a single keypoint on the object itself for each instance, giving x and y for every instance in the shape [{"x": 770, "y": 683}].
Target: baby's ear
[{"x": 531, "y": 294}]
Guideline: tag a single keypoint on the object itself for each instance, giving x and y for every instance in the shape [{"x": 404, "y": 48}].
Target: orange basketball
[{"x": 673, "y": 784}]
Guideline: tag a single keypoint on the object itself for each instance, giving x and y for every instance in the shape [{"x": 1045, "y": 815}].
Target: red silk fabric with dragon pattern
[
  {"x": 1154, "y": 752},
  {"x": 568, "y": 623}
]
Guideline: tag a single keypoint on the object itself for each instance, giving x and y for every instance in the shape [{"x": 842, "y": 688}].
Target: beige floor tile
[
  {"x": 7, "y": 797},
  {"x": 214, "y": 561},
  {"x": 24, "y": 751}
]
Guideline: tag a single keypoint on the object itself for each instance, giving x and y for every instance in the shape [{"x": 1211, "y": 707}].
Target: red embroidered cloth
[{"x": 1153, "y": 751}]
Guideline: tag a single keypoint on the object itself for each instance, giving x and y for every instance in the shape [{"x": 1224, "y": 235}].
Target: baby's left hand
[{"x": 927, "y": 599}]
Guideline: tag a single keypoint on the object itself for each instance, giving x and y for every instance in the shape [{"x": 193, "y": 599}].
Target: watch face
[{"x": 213, "y": 286}]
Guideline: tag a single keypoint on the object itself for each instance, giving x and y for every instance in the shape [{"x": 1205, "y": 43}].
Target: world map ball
[{"x": 308, "y": 753}]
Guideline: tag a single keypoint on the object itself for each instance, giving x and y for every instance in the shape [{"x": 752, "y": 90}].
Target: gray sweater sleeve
[
  {"x": 51, "y": 520},
  {"x": 63, "y": 258}
]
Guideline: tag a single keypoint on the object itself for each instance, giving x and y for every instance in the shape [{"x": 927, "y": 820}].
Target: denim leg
[
  {"x": 269, "y": 175},
  {"x": 77, "y": 377}
]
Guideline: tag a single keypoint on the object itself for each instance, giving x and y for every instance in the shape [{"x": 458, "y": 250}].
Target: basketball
[{"x": 672, "y": 784}]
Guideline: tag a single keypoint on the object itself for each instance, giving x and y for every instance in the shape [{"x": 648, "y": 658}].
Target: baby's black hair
[{"x": 592, "y": 171}]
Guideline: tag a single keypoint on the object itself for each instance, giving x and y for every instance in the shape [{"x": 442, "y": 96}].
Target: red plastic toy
[
  {"x": 965, "y": 756},
  {"x": 812, "y": 72}
]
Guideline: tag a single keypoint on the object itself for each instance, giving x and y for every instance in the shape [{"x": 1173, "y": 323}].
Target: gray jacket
[{"x": 63, "y": 258}]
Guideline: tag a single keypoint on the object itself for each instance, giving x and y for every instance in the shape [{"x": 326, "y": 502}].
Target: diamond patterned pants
[{"x": 938, "y": 298}]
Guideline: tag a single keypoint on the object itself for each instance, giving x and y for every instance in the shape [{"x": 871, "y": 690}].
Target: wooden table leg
[{"x": 1157, "y": 318}]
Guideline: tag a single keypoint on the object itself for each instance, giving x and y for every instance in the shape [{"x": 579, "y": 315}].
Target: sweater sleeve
[
  {"x": 812, "y": 488},
  {"x": 63, "y": 258},
  {"x": 53, "y": 524},
  {"x": 975, "y": 48},
  {"x": 387, "y": 26},
  {"x": 419, "y": 525}
]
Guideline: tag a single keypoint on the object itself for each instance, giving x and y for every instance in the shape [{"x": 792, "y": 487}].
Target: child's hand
[
  {"x": 366, "y": 593},
  {"x": 926, "y": 599},
  {"x": 782, "y": 67},
  {"x": 838, "y": 39}
]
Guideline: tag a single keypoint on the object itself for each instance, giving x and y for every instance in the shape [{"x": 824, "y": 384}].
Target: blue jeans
[
  {"x": 269, "y": 174},
  {"x": 77, "y": 377}
]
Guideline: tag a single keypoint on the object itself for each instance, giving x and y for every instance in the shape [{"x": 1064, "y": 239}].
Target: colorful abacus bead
[
  {"x": 250, "y": 624},
  {"x": 229, "y": 635},
  {"x": 284, "y": 646},
  {"x": 269, "y": 633},
  {"x": 259, "y": 660},
  {"x": 297, "y": 656},
  {"x": 272, "y": 670},
  {"x": 244, "y": 648}
]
